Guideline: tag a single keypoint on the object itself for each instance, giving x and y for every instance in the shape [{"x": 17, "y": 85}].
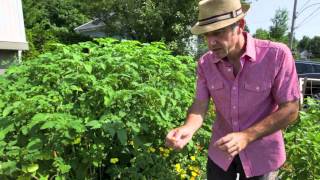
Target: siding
[{"x": 12, "y": 32}]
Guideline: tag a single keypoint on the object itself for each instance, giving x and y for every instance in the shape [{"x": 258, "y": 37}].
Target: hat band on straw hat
[{"x": 221, "y": 17}]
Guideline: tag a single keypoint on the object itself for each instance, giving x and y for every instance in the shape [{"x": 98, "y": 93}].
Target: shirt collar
[{"x": 250, "y": 50}]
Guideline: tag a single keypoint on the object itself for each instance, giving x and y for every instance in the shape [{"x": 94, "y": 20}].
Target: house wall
[{"x": 12, "y": 33}]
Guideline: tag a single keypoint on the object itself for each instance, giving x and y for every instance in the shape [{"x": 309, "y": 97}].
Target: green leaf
[
  {"x": 64, "y": 168},
  {"x": 88, "y": 67},
  {"x": 94, "y": 124},
  {"x": 109, "y": 129},
  {"x": 7, "y": 111},
  {"x": 122, "y": 136},
  {"x": 6, "y": 130},
  {"x": 30, "y": 168},
  {"x": 75, "y": 88},
  {"x": 8, "y": 167},
  {"x": 48, "y": 125},
  {"x": 24, "y": 177},
  {"x": 34, "y": 144},
  {"x": 1, "y": 104}
]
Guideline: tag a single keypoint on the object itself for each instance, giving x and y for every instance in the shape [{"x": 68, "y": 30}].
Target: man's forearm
[
  {"x": 196, "y": 114},
  {"x": 194, "y": 121},
  {"x": 280, "y": 119}
]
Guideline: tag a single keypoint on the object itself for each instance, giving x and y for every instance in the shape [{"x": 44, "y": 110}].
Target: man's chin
[{"x": 219, "y": 54}]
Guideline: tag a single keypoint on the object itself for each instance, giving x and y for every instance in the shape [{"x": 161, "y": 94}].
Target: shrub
[
  {"x": 98, "y": 109},
  {"x": 303, "y": 145}
]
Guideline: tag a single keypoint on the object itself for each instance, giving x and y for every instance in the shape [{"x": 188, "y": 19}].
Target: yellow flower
[
  {"x": 151, "y": 149},
  {"x": 193, "y": 158},
  {"x": 193, "y": 173},
  {"x": 192, "y": 178},
  {"x": 114, "y": 160},
  {"x": 178, "y": 168}
]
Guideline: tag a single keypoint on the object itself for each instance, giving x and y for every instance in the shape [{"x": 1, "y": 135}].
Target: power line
[
  {"x": 304, "y": 5},
  {"x": 308, "y": 17},
  {"x": 310, "y": 6}
]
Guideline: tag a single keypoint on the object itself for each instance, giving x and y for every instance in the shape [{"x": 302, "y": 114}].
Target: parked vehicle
[{"x": 310, "y": 72}]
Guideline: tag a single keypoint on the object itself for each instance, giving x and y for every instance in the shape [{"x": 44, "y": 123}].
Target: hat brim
[{"x": 197, "y": 30}]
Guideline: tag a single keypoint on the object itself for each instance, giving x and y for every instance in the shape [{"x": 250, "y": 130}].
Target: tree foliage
[
  {"x": 51, "y": 21},
  {"x": 262, "y": 34},
  {"x": 315, "y": 46},
  {"x": 304, "y": 43},
  {"x": 279, "y": 25},
  {"x": 148, "y": 20}
]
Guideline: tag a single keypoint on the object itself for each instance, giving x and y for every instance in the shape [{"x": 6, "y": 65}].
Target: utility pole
[{"x": 294, "y": 16}]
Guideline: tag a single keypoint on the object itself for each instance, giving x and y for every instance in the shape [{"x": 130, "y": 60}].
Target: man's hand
[
  {"x": 233, "y": 143},
  {"x": 179, "y": 137}
]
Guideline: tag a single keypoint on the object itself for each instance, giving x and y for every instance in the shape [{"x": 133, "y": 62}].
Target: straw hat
[{"x": 217, "y": 14}]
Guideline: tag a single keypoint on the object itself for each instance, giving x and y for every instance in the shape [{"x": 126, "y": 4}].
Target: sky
[{"x": 307, "y": 22}]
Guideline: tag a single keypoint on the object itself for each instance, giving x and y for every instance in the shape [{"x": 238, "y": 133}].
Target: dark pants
[{"x": 214, "y": 172}]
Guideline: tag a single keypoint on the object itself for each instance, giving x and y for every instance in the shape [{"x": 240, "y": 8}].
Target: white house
[
  {"x": 12, "y": 32},
  {"x": 305, "y": 55}
]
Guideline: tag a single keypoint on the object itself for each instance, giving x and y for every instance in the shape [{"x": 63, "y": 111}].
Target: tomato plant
[{"x": 98, "y": 110}]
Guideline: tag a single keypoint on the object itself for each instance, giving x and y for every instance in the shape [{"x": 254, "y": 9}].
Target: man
[{"x": 254, "y": 86}]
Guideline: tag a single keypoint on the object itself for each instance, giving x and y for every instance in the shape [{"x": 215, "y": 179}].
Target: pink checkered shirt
[{"x": 267, "y": 78}]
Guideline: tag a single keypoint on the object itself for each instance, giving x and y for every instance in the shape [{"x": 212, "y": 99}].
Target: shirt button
[
  {"x": 234, "y": 88},
  {"x": 257, "y": 88},
  {"x": 234, "y": 107},
  {"x": 229, "y": 69}
]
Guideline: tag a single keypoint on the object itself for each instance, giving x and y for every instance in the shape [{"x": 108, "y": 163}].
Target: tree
[
  {"x": 262, "y": 34},
  {"x": 304, "y": 43},
  {"x": 148, "y": 20},
  {"x": 315, "y": 46},
  {"x": 52, "y": 21},
  {"x": 280, "y": 25}
]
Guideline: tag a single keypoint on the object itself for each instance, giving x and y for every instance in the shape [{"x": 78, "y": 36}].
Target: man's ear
[{"x": 242, "y": 24}]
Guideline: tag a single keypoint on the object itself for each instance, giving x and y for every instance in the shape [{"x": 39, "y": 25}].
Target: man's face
[{"x": 221, "y": 41}]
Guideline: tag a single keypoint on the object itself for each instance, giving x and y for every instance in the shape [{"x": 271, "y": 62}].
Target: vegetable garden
[{"x": 102, "y": 109}]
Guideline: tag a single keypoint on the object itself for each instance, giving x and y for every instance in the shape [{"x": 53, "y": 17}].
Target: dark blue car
[{"x": 311, "y": 71}]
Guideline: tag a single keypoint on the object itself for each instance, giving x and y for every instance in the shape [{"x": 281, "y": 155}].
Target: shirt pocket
[
  {"x": 216, "y": 86},
  {"x": 257, "y": 87},
  {"x": 217, "y": 91}
]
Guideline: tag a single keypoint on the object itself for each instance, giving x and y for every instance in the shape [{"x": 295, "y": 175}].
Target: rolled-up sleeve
[
  {"x": 202, "y": 92},
  {"x": 286, "y": 87}
]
